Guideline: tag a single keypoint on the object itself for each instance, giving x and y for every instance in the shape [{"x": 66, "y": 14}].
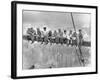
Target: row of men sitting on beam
[{"x": 57, "y": 37}]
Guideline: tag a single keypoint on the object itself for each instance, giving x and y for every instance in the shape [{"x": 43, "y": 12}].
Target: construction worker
[
  {"x": 32, "y": 33},
  {"x": 50, "y": 36},
  {"x": 38, "y": 35},
  {"x": 80, "y": 36},
  {"x": 45, "y": 34},
  {"x": 60, "y": 35},
  {"x": 74, "y": 39},
  {"x": 70, "y": 38},
  {"x": 55, "y": 36},
  {"x": 65, "y": 40}
]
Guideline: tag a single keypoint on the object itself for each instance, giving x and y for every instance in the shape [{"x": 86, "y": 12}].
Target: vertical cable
[{"x": 80, "y": 57}]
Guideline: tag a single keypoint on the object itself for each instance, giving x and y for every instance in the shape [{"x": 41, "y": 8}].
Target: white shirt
[
  {"x": 45, "y": 33},
  {"x": 69, "y": 36},
  {"x": 65, "y": 35}
]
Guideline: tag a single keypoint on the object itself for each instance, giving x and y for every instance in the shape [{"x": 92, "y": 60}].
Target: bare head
[
  {"x": 31, "y": 28},
  {"x": 59, "y": 30},
  {"x": 70, "y": 31},
  {"x": 49, "y": 30},
  {"x": 38, "y": 29},
  {"x": 55, "y": 31}
]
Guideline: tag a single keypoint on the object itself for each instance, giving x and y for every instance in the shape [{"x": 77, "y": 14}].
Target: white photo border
[{"x": 60, "y": 8}]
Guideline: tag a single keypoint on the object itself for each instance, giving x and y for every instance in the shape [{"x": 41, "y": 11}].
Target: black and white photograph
[{"x": 54, "y": 39}]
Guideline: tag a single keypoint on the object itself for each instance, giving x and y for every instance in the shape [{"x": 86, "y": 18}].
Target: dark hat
[
  {"x": 64, "y": 30},
  {"x": 80, "y": 30},
  {"x": 44, "y": 27}
]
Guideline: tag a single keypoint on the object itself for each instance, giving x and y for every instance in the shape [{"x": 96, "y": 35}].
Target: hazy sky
[{"x": 55, "y": 20}]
